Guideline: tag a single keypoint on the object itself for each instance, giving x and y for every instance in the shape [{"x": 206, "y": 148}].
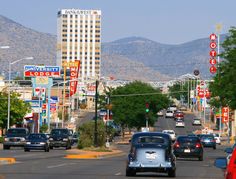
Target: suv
[
  {"x": 60, "y": 138},
  {"x": 151, "y": 152},
  {"x": 15, "y": 137}
]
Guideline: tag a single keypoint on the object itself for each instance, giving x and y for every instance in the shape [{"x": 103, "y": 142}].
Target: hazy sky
[{"x": 164, "y": 21}]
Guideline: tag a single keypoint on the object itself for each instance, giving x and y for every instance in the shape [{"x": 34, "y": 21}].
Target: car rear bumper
[
  {"x": 58, "y": 143},
  {"x": 209, "y": 144},
  {"x": 14, "y": 144},
  {"x": 35, "y": 146},
  {"x": 192, "y": 153}
]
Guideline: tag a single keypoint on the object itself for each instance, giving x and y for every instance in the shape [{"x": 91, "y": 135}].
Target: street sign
[
  {"x": 46, "y": 71},
  {"x": 196, "y": 72},
  {"x": 212, "y": 61},
  {"x": 213, "y": 69}
]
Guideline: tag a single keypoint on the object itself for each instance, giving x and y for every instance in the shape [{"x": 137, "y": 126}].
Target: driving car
[
  {"x": 179, "y": 123},
  {"x": 171, "y": 133},
  {"x": 178, "y": 115},
  {"x": 151, "y": 152},
  {"x": 188, "y": 147},
  {"x": 196, "y": 122},
  {"x": 217, "y": 138},
  {"x": 169, "y": 114},
  {"x": 37, "y": 141},
  {"x": 160, "y": 113},
  {"x": 208, "y": 140},
  {"x": 60, "y": 137},
  {"x": 15, "y": 137}
]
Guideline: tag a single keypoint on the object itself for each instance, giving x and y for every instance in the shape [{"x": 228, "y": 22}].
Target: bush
[
  {"x": 1, "y": 139},
  {"x": 44, "y": 128},
  {"x": 87, "y": 134}
]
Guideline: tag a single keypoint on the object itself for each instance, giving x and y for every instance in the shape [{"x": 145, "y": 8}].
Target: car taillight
[
  {"x": 198, "y": 145},
  {"x": 176, "y": 145}
]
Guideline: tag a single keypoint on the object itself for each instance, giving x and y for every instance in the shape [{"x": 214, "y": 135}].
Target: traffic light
[{"x": 147, "y": 107}]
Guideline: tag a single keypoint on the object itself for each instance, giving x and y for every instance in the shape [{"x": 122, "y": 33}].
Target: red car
[
  {"x": 230, "y": 169},
  {"x": 179, "y": 115}
]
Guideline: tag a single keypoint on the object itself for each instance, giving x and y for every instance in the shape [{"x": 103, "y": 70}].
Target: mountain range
[{"x": 132, "y": 58}]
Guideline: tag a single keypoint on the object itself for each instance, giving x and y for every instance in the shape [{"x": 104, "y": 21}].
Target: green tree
[
  {"x": 223, "y": 89},
  {"x": 17, "y": 111},
  {"x": 179, "y": 90},
  {"x": 128, "y": 104}
]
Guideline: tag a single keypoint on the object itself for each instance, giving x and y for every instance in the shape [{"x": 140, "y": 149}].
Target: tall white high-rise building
[{"x": 79, "y": 38}]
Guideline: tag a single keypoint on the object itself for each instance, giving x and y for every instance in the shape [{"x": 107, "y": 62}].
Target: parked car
[
  {"x": 208, "y": 140},
  {"x": 15, "y": 137},
  {"x": 179, "y": 123},
  {"x": 37, "y": 142},
  {"x": 217, "y": 138},
  {"x": 151, "y": 152},
  {"x": 60, "y": 137},
  {"x": 169, "y": 114},
  {"x": 196, "y": 122},
  {"x": 171, "y": 133},
  {"x": 188, "y": 147},
  {"x": 229, "y": 168}
]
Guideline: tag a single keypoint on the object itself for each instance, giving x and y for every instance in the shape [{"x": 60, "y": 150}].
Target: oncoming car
[{"x": 151, "y": 152}]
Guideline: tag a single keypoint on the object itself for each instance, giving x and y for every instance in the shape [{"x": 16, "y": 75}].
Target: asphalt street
[{"x": 43, "y": 165}]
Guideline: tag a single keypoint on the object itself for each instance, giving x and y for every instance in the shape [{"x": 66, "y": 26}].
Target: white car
[
  {"x": 169, "y": 114},
  {"x": 179, "y": 123},
  {"x": 217, "y": 138},
  {"x": 160, "y": 113},
  {"x": 196, "y": 122},
  {"x": 171, "y": 133}
]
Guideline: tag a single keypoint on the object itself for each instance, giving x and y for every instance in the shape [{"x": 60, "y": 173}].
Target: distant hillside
[
  {"x": 132, "y": 58},
  {"x": 172, "y": 60}
]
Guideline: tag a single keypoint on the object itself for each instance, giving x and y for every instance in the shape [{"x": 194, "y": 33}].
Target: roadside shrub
[
  {"x": 1, "y": 139},
  {"x": 87, "y": 134},
  {"x": 44, "y": 128}
]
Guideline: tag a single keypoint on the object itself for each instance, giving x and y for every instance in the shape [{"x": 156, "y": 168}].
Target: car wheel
[
  {"x": 51, "y": 147},
  {"x": 27, "y": 150},
  {"x": 214, "y": 147},
  {"x": 200, "y": 158},
  {"x": 172, "y": 173},
  {"x": 130, "y": 172},
  {"x": 68, "y": 147},
  {"x": 5, "y": 147},
  {"x": 46, "y": 149}
]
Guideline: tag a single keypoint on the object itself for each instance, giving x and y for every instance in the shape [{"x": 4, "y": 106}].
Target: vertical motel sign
[
  {"x": 225, "y": 114},
  {"x": 213, "y": 53}
]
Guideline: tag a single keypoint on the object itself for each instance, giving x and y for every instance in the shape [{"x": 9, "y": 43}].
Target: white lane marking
[
  {"x": 60, "y": 165},
  {"x": 118, "y": 174}
]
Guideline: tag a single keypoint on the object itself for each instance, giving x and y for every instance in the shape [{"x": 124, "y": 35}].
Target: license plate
[
  {"x": 187, "y": 150},
  {"x": 151, "y": 156}
]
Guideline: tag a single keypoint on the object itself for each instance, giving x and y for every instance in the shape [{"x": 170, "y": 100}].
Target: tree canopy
[
  {"x": 128, "y": 104},
  {"x": 223, "y": 88},
  {"x": 18, "y": 109}
]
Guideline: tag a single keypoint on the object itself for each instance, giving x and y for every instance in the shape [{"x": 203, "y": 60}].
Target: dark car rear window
[
  {"x": 17, "y": 132},
  {"x": 207, "y": 136},
  {"x": 188, "y": 139},
  {"x": 60, "y": 132},
  {"x": 37, "y": 136},
  {"x": 150, "y": 139}
]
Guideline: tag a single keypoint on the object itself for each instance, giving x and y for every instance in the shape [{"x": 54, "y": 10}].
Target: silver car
[{"x": 151, "y": 152}]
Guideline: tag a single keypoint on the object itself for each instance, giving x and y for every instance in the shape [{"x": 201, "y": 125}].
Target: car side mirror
[
  {"x": 221, "y": 163},
  {"x": 228, "y": 150}
]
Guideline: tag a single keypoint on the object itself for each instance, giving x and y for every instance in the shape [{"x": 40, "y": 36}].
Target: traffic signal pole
[{"x": 96, "y": 116}]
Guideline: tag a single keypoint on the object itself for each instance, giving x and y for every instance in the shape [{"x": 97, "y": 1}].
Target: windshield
[{"x": 188, "y": 139}]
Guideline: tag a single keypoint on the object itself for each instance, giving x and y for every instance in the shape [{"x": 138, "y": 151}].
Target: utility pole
[
  {"x": 96, "y": 116},
  {"x": 63, "y": 98}
]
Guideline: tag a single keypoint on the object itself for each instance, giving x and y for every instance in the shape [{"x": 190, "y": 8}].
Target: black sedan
[
  {"x": 37, "y": 142},
  {"x": 188, "y": 147}
]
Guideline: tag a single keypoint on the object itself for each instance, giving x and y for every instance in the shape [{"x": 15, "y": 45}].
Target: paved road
[{"x": 42, "y": 165}]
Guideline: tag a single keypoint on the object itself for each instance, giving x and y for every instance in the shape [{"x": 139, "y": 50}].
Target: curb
[
  {"x": 4, "y": 161},
  {"x": 92, "y": 156}
]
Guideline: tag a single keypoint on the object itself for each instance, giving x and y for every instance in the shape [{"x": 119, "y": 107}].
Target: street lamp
[{"x": 9, "y": 83}]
